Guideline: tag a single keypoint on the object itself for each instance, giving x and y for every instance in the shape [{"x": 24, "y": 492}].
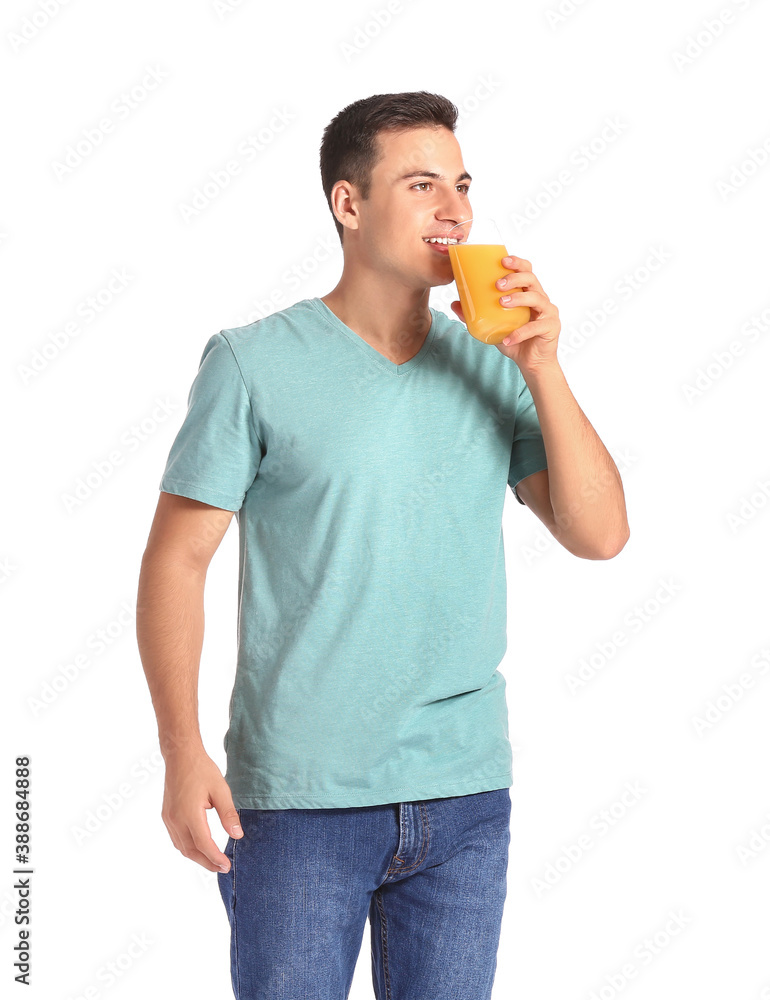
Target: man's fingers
[
  {"x": 198, "y": 847},
  {"x": 193, "y": 785},
  {"x": 228, "y": 814},
  {"x": 205, "y": 846},
  {"x": 194, "y": 854}
]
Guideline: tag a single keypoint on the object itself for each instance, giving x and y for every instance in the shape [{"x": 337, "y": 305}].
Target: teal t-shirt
[{"x": 372, "y": 589}]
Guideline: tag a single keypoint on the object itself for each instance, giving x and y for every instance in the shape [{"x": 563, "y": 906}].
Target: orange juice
[{"x": 476, "y": 268}]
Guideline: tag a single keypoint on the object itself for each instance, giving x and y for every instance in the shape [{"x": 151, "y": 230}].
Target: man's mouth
[{"x": 441, "y": 243}]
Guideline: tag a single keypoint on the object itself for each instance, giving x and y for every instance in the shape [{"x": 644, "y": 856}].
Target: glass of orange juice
[{"x": 476, "y": 267}]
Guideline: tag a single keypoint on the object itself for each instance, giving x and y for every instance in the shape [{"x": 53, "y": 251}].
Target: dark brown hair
[{"x": 349, "y": 149}]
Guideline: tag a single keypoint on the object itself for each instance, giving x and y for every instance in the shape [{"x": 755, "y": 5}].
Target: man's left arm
[{"x": 579, "y": 497}]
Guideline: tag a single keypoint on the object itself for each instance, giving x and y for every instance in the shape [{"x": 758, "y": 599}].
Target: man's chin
[
  {"x": 433, "y": 278},
  {"x": 439, "y": 276},
  {"x": 435, "y": 282}
]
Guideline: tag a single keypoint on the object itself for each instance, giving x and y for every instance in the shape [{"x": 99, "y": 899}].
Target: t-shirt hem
[
  {"x": 538, "y": 465},
  {"x": 348, "y": 799},
  {"x": 205, "y": 494}
]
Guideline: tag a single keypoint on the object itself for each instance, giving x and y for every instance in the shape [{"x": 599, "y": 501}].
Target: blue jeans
[{"x": 430, "y": 875}]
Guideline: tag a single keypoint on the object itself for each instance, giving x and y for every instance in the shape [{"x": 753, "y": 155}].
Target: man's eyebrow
[{"x": 435, "y": 176}]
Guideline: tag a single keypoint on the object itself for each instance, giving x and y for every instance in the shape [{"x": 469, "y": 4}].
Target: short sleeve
[
  {"x": 528, "y": 449},
  {"x": 217, "y": 452}
]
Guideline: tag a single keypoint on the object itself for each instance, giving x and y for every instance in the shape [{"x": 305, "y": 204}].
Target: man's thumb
[{"x": 228, "y": 816}]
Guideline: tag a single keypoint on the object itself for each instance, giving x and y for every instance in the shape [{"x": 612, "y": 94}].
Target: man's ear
[{"x": 341, "y": 198}]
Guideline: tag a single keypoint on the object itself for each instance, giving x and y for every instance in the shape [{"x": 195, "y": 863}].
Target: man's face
[{"x": 401, "y": 211}]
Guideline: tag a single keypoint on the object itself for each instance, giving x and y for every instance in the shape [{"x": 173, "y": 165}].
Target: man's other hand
[{"x": 194, "y": 784}]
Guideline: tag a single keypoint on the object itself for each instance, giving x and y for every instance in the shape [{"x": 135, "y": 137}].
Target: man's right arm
[{"x": 184, "y": 535}]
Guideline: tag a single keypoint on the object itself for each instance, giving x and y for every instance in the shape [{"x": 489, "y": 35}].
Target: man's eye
[{"x": 424, "y": 183}]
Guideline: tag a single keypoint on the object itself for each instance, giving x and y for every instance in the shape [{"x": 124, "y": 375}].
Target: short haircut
[{"x": 349, "y": 150}]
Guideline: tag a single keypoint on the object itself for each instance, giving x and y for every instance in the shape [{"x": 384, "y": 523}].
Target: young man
[{"x": 365, "y": 442}]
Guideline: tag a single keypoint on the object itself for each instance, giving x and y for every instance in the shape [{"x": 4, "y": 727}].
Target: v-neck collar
[{"x": 390, "y": 366}]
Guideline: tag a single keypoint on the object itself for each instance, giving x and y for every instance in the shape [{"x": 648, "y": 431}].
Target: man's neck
[{"x": 394, "y": 321}]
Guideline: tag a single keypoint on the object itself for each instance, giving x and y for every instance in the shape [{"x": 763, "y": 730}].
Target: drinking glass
[{"x": 476, "y": 267}]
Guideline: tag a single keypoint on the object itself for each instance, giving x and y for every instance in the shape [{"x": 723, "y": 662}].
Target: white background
[{"x": 667, "y": 217}]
